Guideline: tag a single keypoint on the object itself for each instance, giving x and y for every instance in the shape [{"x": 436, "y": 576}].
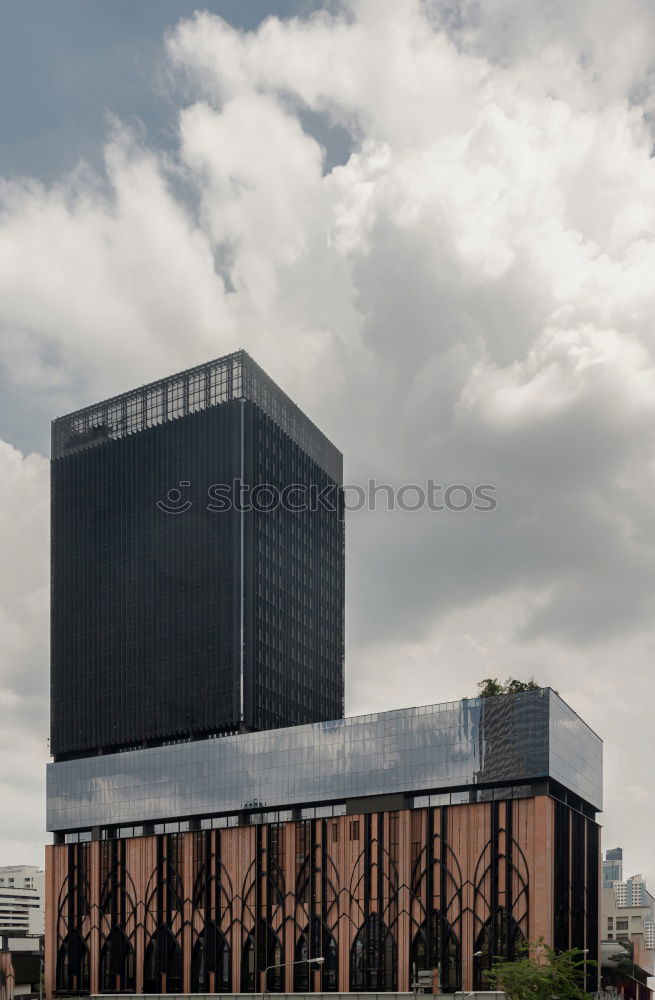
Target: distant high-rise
[
  {"x": 612, "y": 866},
  {"x": 21, "y": 900},
  {"x": 177, "y": 612}
]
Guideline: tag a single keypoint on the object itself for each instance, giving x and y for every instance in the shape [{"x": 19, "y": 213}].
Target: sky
[{"x": 433, "y": 224}]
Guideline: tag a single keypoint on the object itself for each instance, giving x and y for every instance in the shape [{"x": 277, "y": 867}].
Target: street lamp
[
  {"x": 585, "y": 952},
  {"x": 303, "y": 961},
  {"x": 476, "y": 954}
]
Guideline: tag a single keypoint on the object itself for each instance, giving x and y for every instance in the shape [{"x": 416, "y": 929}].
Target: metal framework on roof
[{"x": 234, "y": 376}]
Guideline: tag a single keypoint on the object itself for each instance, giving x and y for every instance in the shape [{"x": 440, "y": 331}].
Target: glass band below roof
[{"x": 480, "y": 741}]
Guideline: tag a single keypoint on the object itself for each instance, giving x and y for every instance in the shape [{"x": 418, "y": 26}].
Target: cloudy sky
[{"x": 434, "y": 225}]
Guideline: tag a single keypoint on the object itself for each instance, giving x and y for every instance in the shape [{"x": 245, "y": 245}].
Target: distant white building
[
  {"x": 631, "y": 925},
  {"x": 649, "y": 933},
  {"x": 621, "y": 893},
  {"x": 633, "y": 892},
  {"x": 21, "y": 900},
  {"x": 612, "y": 867}
]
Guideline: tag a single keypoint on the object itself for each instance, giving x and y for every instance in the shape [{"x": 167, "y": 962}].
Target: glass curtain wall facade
[
  {"x": 477, "y": 743},
  {"x": 181, "y": 615}
]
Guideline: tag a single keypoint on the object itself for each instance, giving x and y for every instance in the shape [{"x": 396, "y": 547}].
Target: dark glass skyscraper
[{"x": 177, "y": 612}]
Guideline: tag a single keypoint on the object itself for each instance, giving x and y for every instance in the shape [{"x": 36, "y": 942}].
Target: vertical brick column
[
  {"x": 52, "y": 883},
  {"x": 460, "y": 835},
  {"x": 288, "y": 838},
  {"x": 94, "y": 916},
  {"x": 404, "y": 899},
  {"x": 187, "y": 909},
  {"x": 542, "y": 832},
  {"x": 138, "y": 858},
  {"x": 345, "y": 916}
]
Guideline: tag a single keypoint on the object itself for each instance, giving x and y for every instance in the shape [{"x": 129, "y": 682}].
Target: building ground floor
[
  {"x": 378, "y": 895},
  {"x": 21, "y": 966}
]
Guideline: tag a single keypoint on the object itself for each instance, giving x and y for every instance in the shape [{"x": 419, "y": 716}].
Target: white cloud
[
  {"x": 92, "y": 277},
  {"x": 468, "y": 297},
  {"x": 24, "y": 599}
]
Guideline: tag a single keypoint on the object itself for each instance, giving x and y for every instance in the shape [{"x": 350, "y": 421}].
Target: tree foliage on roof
[{"x": 491, "y": 686}]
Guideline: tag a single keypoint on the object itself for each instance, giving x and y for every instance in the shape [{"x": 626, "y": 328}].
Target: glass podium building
[
  {"x": 412, "y": 754},
  {"x": 217, "y": 822},
  {"x": 384, "y": 844}
]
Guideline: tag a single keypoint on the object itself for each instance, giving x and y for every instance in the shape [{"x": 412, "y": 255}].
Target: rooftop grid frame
[{"x": 234, "y": 376}]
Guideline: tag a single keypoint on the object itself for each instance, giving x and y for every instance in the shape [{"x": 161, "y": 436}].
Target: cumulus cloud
[
  {"x": 467, "y": 297},
  {"x": 24, "y": 599}
]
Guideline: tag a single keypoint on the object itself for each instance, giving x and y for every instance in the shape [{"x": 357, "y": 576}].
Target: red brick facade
[
  {"x": 376, "y": 894},
  {"x": 6, "y": 976}
]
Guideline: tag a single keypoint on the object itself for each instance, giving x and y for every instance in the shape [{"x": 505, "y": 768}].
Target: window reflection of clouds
[{"x": 437, "y": 746}]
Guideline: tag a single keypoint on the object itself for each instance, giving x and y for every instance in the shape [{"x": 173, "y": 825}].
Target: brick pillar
[
  {"x": 541, "y": 871},
  {"x": 404, "y": 878},
  {"x": 465, "y": 815},
  {"x": 94, "y": 916},
  {"x": 51, "y": 895},
  {"x": 187, "y": 883},
  {"x": 289, "y": 835}
]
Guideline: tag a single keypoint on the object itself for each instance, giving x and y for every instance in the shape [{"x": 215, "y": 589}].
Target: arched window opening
[
  {"x": 373, "y": 959},
  {"x": 320, "y": 944},
  {"x": 248, "y": 965},
  {"x": 73, "y": 964},
  {"x": 199, "y": 978},
  {"x": 435, "y": 945},
  {"x": 271, "y": 957},
  {"x": 211, "y": 954},
  {"x": 262, "y": 952},
  {"x": 500, "y": 937},
  {"x": 163, "y": 957},
  {"x": 301, "y": 975},
  {"x": 330, "y": 968},
  {"x": 117, "y": 964},
  {"x": 419, "y": 955},
  {"x": 151, "y": 980}
]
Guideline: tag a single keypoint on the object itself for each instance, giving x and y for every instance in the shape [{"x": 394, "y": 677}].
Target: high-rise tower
[
  {"x": 198, "y": 592},
  {"x": 191, "y": 595}
]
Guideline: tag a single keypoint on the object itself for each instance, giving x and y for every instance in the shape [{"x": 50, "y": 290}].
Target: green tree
[
  {"x": 621, "y": 966},
  {"x": 542, "y": 974},
  {"x": 491, "y": 686},
  {"x": 515, "y": 687}
]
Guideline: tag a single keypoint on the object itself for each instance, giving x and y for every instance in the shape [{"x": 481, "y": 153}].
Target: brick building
[{"x": 384, "y": 844}]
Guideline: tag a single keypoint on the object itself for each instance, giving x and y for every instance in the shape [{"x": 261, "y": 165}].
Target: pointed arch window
[
  {"x": 373, "y": 958},
  {"x": 320, "y": 943},
  {"x": 262, "y": 950},
  {"x": 435, "y": 944},
  {"x": 248, "y": 965},
  {"x": 163, "y": 957},
  {"x": 73, "y": 964},
  {"x": 211, "y": 953},
  {"x": 117, "y": 964},
  {"x": 271, "y": 957},
  {"x": 500, "y": 936}
]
